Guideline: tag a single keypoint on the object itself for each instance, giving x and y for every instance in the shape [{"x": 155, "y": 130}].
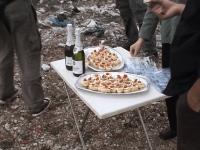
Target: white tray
[
  {"x": 88, "y": 50},
  {"x": 131, "y": 76}
]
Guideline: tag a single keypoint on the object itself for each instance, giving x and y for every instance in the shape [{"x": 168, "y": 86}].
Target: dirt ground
[{"x": 55, "y": 130}]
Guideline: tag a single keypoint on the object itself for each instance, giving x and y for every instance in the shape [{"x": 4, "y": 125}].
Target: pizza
[{"x": 107, "y": 83}]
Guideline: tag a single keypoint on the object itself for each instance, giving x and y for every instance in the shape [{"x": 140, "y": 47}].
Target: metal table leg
[
  {"x": 75, "y": 119},
  {"x": 145, "y": 130},
  {"x": 84, "y": 119}
]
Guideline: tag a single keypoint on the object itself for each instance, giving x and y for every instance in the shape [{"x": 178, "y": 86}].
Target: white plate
[
  {"x": 114, "y": 74},
  {"x": 88, "y": 50}
]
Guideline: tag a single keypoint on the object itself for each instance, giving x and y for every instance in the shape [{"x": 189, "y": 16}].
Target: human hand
[
  {"x": 165, "y": 9},
  {"x": 134, "y": 48},
  {"x": 193, "y": 97}
]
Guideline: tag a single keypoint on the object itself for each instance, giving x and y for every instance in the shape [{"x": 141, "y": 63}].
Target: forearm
[{"x": 149, "y": 25}]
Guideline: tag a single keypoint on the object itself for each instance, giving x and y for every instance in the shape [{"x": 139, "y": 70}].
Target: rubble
[{"x": 56, "y": 129}]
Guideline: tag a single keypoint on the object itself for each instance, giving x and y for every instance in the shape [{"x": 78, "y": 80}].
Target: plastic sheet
[{"x": 146, "y": 66}]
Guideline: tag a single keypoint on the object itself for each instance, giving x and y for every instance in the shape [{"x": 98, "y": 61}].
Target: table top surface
[{"x": 105, "y": 105}]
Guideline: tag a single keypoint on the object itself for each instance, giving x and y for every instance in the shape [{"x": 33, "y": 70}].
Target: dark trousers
[
  {"x": 172, "y": 101},
  {"x": 188, "y": 137},
  {"x": 132, "y": 13},
  {"x": 165, "y": 55},
  {"x": 19, "y": 33},
  {"x": 171, "y": 112}
]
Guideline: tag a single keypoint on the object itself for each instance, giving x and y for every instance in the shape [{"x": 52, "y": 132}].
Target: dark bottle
[
  {"x": 69, "y": 47},
  {"x": 78, "y": 55}
]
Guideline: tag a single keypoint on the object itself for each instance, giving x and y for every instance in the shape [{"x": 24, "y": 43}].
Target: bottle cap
[{"x": 69, "y": 27}]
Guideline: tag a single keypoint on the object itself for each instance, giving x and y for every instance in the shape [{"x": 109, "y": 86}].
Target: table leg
[
  {"x": 75, "y": 120},
  {"x": 85, "y": 119},
  {"x": 145, "y": 130}
]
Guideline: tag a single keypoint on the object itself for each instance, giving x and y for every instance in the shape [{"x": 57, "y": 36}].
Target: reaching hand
[
  {"x": 165, "y": 9},
  {"x": 135, "y": 48}
]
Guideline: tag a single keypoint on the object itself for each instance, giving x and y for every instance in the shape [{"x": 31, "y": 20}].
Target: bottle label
[
  {"x": 68, "y": 61},
  {"x": 78, "y": 67}
]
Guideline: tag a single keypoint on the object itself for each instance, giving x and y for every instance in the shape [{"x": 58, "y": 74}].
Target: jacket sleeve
[{"x": 149, "y": 25}]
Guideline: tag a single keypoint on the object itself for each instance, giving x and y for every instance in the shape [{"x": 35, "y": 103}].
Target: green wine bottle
[{"x": 78, "y": 55}]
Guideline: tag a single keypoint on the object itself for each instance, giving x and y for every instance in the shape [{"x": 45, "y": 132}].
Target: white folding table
[{"x": 105, "y": 105}]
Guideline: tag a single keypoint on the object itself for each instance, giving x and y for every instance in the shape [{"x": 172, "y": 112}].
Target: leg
[
  {"x": 129, "y": 21},
  {"x": 138, "y": 9},
  {"x": 171, "y": 112},
  {"x": 188, "y": 126},
  {"x": 28, "y": 48},
  {"x": 165, "y": 55},
  {"x": 6, "y": 63}
]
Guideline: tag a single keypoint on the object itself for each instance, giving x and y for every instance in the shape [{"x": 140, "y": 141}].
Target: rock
[
  {"x": 7, "y": 127},
  {"x": 22, "y": 118},
  {"x": 41, "y": 10},
  {"x": 61, "y": 45},
  {"x": 6, "y": 144},
  {"x": 23, "y": 148},
  {"x": 56, "y": 147},
  {"x": 14, "y": 107},
  {"x": 45, "y": 67},
  {"x": 49, "y": 143},
  {"x": 35, "y": 144},
  {"x": 92, "y": 24}
]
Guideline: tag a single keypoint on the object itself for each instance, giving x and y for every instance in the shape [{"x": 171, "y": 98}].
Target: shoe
[
  {"x": 169, "y": 134},
  {"x": 10, "y": 99},
  {"x": 46, "y": 105}
]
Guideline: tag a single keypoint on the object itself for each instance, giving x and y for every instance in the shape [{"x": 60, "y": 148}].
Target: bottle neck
[
  {"x": 78, "y": 43},
  {"x": 70, "y": 38}
]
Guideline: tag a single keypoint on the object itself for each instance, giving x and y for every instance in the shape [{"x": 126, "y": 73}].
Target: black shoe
[
  {"x": 10, "y": 99},
  {"x": 169, "y": 134},
  {"x": 46, "y": 105}
]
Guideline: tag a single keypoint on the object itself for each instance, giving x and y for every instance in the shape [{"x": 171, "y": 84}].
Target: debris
[
  {"x": 93, "y": 28},
  {"x": 45, "y": 67},
  {"x": 60, "y": 20}
]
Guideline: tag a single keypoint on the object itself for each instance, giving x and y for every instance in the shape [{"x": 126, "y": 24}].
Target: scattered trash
[
  {"x": 60, "y": 20},
  {"x": 93, "y": 28}
]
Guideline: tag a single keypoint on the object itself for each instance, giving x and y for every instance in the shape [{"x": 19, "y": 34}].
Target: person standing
[
  {"x": 132, "y": 13},
  {"x": 168, "y": 28},
  {"x": 19, "y": 33},
  {"x": 185, "y": 68}
]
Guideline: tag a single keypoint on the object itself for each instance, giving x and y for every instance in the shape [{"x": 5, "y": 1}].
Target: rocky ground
[{"x": 55, "y": 130}]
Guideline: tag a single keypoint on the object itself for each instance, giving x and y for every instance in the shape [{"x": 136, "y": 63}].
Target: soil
[{"x": 55, "y": 130}]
